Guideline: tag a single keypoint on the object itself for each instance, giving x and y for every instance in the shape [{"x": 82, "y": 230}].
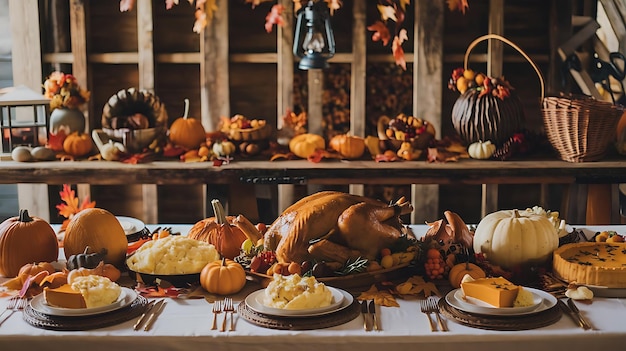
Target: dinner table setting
[{"x": 357, "y": 317}]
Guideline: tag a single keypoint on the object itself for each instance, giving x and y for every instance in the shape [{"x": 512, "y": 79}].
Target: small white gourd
[{"x": 481, "y": 150}]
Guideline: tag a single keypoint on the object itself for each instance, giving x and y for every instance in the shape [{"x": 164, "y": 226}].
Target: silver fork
[
  {"x": 425, "y": 308},
  {"x": 15, "y": 304},
  {"x": 434, "y": 307},
  {"x": 228, "y": 308},
  {"x": 217, "y": 309}
]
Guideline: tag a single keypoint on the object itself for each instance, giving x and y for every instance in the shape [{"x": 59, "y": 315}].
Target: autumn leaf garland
[{"x": 392, "y": 15}]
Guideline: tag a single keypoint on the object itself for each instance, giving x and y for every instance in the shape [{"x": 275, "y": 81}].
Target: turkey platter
[{"x": 335, "y": 226}]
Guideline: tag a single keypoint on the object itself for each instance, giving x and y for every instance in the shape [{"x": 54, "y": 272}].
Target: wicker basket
[{"x": 580, "y": 128}]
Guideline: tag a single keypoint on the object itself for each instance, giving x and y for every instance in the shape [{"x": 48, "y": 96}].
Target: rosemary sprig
[{"x": 357, "y": 265}]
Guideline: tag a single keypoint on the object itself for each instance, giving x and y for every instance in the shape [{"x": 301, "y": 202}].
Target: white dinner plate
[
  {"x": 341, "y": 300},
  {"x": 38, "y": 303},
  {"x": 542, "y": 299},
  {"x": 131, "y": 225}
]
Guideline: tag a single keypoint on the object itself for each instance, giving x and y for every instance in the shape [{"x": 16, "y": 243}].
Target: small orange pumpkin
[
  {"x": 219, "y": 231},
  {"x": 349, "y": 146},
  {"x": 25, "y": 239},
  {"x": 305, "y": 145},
  {"x": 223, "y": 277},
  {"x": 458, "y": 271},
  {"x": 77, "y": 144},
  {"x": 187, "y": 132}
]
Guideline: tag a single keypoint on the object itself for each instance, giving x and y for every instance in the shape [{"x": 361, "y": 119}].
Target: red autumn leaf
[
  {"x": 274, "y": 17},
  {"x": 397, "y": 50},
  {"x": 55, "y": 141},
  {"x": 381, "y": 32}
]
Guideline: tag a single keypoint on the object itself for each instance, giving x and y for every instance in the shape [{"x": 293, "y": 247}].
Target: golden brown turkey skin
[
  {"x": 369, "y": 228},
  {"x": 314, "y": 217}
]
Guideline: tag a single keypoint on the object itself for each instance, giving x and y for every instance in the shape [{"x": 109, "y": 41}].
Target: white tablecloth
[{"x": 185, "y": 325}]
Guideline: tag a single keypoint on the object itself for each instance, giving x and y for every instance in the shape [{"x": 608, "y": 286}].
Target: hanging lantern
[
  {"x": 314, "y": 42},
  {"x": 24, "y": 118}
]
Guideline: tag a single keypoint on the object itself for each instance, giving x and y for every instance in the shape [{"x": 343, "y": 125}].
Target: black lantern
[
  {"x": 23, "y": 118},
  {"x": 314, "y": 42}
]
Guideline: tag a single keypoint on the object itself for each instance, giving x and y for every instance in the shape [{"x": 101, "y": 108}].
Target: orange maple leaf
[{"x": 71, "y": 207}]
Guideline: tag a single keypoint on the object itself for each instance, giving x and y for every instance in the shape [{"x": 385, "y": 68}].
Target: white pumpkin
[
  {"x": 481, "y": 150},
  {"x": 509, "y": 238}
]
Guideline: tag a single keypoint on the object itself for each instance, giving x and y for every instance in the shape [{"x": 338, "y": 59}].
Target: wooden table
[{"x": 330, "y": 172}]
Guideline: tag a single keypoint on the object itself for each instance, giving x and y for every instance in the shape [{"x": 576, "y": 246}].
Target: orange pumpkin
[
  {"x": 77, "y": 144},
  {"x": 25, "y": 239},
  {"x": 187, "y": 132},
  {"x": 349, "y": 146},
  {"x": 305, "y": 145},
  {"x": 98, "y": 229},
  {"x": 219, "y": 231},
  {"x": 223, "y": 277},
  {"x": 458, "y": 271}
]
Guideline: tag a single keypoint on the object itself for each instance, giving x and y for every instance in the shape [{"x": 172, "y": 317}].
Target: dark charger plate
[{"x": 177, "y": 280}]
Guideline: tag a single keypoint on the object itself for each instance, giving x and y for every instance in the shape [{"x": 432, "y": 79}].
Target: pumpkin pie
[
  {"x": 497, "y": 291},
  {"x": 592, "y": 263},
  {"x": 64, "y": 297}
]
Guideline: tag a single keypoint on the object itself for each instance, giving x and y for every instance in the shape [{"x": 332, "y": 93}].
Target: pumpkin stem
[
  {"x": 515, "y": 213},
  {"x": 218, "y": 209},
  {"x": 224, "y": 261},
  {"x": 24, "y": 217},
  {"x": 186, "y": 109}
]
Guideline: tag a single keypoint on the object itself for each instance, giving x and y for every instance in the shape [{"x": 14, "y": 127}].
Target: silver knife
[
  {"x": 157, "y": 310},
  {"x": 576, "y": 311},
  {"x": 375, "y": 319},
  {"x": 569, "y": 313},
  {"x": 365, "y": 314},
  {"x": 143, "y": 316}
]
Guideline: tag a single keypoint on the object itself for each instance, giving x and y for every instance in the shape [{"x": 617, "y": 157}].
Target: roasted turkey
[{"x": 335, "y": 226}]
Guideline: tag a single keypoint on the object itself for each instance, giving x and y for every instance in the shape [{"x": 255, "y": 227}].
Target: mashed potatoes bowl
[
  {"x": 294, "y": 294},
  {"x": 175, "y": 259}
]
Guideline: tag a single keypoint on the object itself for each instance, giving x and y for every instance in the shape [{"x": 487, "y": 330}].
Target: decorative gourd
[
  {"x": 510, "y": 238},
  {"x": 224, "y": 148},
  {"x": 127, "y": 103},
  {"x": 305, "y": 145},
  {"x": 223, "y": 277},
  {"x": 25, "y": 239},
  {"x": 85, "y": 259},
  {"x": 458, "y": 271},
  {"x": 98, "y": 229},
  {"x": 477, "y": 116},
  {"x": 34, "y": 268},
  {"x": 187, "y": 132},
  {"x": 481, "y": 150},
  {"x": 348, "y": 146},
  {"x": 105, "y": 270},
  {"x": 220, "y": 232},
  {"x": 77, "y": 144}
]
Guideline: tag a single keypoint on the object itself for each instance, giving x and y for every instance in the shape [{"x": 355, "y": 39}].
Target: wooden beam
[
  {"x": 145, "y": 47},
  {"x": 314, "y": 110},
  {"x": 285, "y": 62},
  {"x": 214, "y": 76},
  {"x": 78, "y": 38},
  {"x": 26, "y": 64},
  {"x": 427, "y": 92},
  {"x": 489, "y": 196},
  {"x": 357, "y": 76}
]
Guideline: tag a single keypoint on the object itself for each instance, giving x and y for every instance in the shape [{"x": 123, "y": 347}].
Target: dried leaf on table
[
  {"x": 417, "y": 286},
  {"x": 437, "y": 154},
  {"x": 381, "y": 298},
  {"x": 158, "y": 291}
]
